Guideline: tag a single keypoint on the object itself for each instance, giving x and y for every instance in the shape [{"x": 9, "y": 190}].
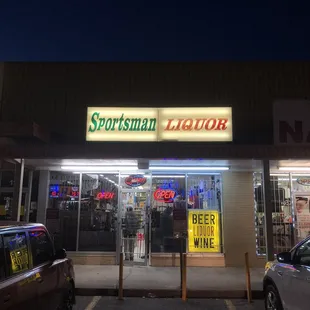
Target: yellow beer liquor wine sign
[
  {"x": 203, "y": 231},
  {"x": 19, "y": 259}
]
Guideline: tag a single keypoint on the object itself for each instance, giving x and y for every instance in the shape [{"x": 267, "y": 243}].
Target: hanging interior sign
[
  {"x": 105, "y": 195},
  {"x": 63, "y": 191},
  {"x": 164, "y": 195},
  {"x": 304, "y": 181},
  {"x": 135, "y": 180}
]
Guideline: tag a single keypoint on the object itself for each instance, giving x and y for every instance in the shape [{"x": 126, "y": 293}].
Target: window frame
[{"x": 40, "y": 229}]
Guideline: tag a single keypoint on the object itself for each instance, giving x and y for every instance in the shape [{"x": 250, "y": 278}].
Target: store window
[
  {"x": 62, "y": 211},
  {"x": 168, "y": 207},
  {"x": 7, "y": 178},
  {"x": 301, "y": 205},
  {"x": 98, "y": 220},
  {"x": 204, "y": 203},
  {"x": 282, "y": 213},
  {"x": 6, "y": 205},
  {"x": 204, "y": 192},
  {"x": 16, "y": 251}
]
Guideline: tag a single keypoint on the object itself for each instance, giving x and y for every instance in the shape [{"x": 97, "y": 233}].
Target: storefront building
[{"x": 200, "y": 167}]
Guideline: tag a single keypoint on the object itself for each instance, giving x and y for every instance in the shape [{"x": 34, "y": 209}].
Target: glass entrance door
[{"x": 135, "y": 225}]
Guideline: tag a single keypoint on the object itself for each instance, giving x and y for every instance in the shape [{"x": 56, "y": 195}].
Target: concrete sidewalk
[{"x": 165, "y": 281}]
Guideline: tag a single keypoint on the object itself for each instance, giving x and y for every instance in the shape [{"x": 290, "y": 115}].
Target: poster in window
[
  {"x": 203, "y": 231},
  {"x": 302, "y": 211}
]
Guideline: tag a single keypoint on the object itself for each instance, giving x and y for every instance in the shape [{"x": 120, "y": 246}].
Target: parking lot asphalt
[{"x": 112, "y": 303}]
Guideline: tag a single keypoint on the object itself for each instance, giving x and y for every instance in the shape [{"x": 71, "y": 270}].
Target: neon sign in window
[
  {"x": 105, "y": 195},
  {"x": 164, "y": 195}
]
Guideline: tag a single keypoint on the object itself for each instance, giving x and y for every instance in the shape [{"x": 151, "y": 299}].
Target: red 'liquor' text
[{"x": 197, "y": 124}]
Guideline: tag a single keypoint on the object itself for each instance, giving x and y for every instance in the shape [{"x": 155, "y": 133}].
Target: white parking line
[
  {"x": 93, "y": 303},
  {"x": 229, "y": 304}
]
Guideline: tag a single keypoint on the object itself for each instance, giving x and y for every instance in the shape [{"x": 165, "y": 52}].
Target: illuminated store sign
[
  {"x": 164, "y": 195},
  {"x": 135, "y": 180},
  {"x": 203, "y": 231},
  {"x": 57, "y": 191},
  {"x": 304, "y": 181},
  {"x": 162, "y": 124},
  {"x": 105, "y": 195}
]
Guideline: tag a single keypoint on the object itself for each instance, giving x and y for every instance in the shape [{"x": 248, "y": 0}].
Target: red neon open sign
[
  {"x": 164, "y": 195},
  {"x": 105, "y": 195}
]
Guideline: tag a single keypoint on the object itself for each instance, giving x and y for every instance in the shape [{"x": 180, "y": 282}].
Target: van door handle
[
  {"x": 308, "y": 279},
  {"x": 39, "y": 280},
  {"x": 7, "y": 298},
  {"x": 280, "y": 273}
]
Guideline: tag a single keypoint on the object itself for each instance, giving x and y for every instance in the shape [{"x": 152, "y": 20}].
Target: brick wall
[
  {"x": 64, "y": 90},
  {"x": 238, "y": 219}
]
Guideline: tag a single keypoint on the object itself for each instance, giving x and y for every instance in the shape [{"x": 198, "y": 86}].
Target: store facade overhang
[
  {"x": 29, "y": 131},
  {"x": 169, "y": 150}
]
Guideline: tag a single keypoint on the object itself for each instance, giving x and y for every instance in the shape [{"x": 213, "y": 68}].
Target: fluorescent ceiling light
[
  {"x": 295, "y": 168},
  {"x": 100, "y": 164},
  {"x": 195, "y": 168},
  {"x": 98, "y": 168},
  {"x": 202, "y": 173},
  {"x": 278, "y": 174},
  {"x": 168, "y": 176}
]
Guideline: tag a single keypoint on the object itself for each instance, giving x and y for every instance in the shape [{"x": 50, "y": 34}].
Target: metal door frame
[{"x": 119, "y": 247}]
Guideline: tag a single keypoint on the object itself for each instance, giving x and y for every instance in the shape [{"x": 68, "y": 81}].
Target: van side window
[
  {"x": 16, "y": 252},
  {"x": 41, "y": 247},
  {"x": 2, "y": 260}
]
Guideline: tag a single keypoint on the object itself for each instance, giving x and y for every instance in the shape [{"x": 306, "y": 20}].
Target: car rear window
[
  {"x": 41, "y": 247},
  {"x": 16, "y": 252}
]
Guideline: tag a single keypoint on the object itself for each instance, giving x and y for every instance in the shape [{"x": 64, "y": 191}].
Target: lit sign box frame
[{"x": 159, "y": 124}]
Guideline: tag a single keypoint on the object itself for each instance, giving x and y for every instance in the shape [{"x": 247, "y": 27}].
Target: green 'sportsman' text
[{"x": 121, "y": 124}]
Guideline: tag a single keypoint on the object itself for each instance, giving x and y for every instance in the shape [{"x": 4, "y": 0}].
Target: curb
[{"x": 157, "y": 293}]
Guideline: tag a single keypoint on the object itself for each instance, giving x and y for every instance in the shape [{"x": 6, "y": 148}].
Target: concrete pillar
[
  {"x": 28, "y": 197},
  {"x": 268, "y": 211},
  {"x": 44, "y": 181},
  {"x": 238, "y": 219},
  {"x": 18, "y": 190}
]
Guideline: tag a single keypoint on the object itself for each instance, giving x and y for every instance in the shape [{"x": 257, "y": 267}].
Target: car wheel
[
  {"x": 272, "y": 299},
  {"x": 69, "y": 299}
]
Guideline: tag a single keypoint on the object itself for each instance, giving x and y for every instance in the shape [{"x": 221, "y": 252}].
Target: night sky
[{"x": 154, "y": 30}]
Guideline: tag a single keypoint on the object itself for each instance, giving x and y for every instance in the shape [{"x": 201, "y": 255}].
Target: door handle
[
  {"x": 7, "y": 298},
  {"x": 280, "y": 273},
  {"x": 308, "y": 279},
  {"x": 39, "y": 280}
]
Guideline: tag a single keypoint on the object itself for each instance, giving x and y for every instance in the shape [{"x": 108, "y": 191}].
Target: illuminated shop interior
[
  {"x": 87, "y": 199},
  {"x": 83, "y": 202},
  {"x": 290, "y": 182}
]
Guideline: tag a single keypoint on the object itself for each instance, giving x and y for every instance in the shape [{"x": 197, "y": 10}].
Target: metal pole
[
  {"x": 184, "y": 289},
  {"x": 79, "y": 213},
  {"x": 119, "y": 222},
  {"x": 248, "y": 277},
  {"x": 28, "y": 203},
  {"x": 293, "y": 231},
  {"x": 120, "y": 277},
  {"x": 20, "y": 191},
  {"x": 268, "y": 211},
  {"x": 181, "y": 263}
]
